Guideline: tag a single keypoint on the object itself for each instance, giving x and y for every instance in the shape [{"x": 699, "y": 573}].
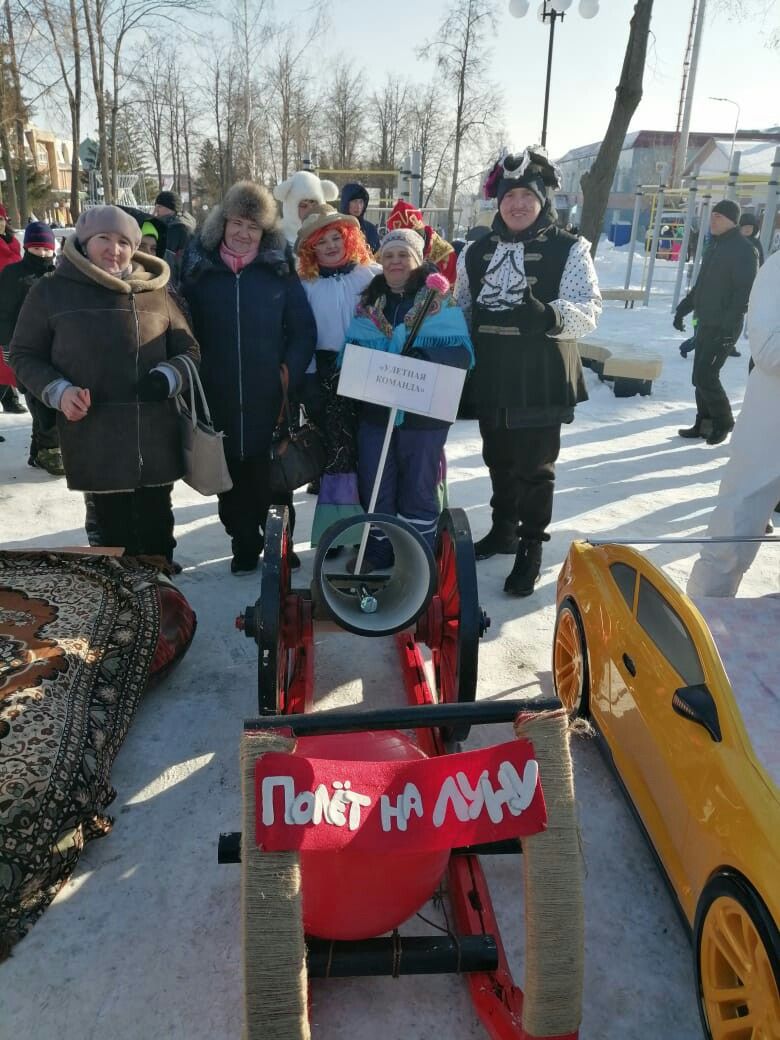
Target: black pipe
[
  {"x": 413, "y": 955},
  {"x": 506, "y": 847},
  {"x": 337, "y": 720},
  {"x": 229, "y": 847}
]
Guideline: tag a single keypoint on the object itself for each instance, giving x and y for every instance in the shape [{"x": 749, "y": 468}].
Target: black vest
[
  {"x": 523, "y": 380},
  {"x": 544, "y": 260}
]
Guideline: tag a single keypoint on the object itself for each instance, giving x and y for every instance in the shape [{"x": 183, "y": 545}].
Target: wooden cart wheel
[
  {"x": 571, "y": 676},
  {"x": 737, "y": 962},
  {"x": 456, "y": 652},
  {"x": 273, "y": 664}
]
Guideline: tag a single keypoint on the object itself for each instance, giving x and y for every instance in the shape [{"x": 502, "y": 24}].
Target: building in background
[{"x": 643, "y": 155}]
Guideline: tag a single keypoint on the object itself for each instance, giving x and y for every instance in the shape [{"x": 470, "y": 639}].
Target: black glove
[
  {"x": 154, "y": 386},
  {"x": 678, "y": 322},
  {"x": 533, "y": 315}
]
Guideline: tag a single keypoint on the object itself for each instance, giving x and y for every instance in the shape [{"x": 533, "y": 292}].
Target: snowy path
[{"x": 143, "y": 942}]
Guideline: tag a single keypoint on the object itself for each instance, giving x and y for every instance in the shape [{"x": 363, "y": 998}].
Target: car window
[
  {"x": 669, "y": 634},
  {"x": 625, "y": 579}
]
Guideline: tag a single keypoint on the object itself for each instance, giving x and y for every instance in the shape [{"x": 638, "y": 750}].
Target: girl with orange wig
[{"x": 335, "y": 266}]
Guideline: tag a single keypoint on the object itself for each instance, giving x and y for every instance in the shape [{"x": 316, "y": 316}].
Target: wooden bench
[
  {"x": 593, "y": 356},
  {"x": 632, "y": 374},
  {"x": 628, "y": 296}
]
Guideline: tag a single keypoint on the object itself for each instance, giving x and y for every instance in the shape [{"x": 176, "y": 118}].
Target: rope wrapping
[
  {"x": 274, "y": 952},
  {"x": 553, "y": 877}
]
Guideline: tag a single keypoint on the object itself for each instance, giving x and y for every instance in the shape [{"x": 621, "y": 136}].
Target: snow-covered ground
[{"x": 143, "y": 942}]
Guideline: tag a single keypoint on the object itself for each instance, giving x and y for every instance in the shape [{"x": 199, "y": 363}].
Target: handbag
[
  {"x": 297, "y": 459},
  {"x": 205, "y": 468}
]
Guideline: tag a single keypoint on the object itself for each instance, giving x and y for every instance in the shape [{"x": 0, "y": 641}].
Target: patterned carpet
[{"x": 80, "y": 639}]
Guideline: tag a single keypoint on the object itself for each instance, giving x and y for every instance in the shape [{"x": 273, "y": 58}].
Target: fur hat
[
  {"x": 101, "y": 219},
  {"x": 246, "y": 200},
  {"x": 404, "y": 236},
  {"x": 322, "y": 217},
  {"x": 728, "y": 209},
  {"x": 169, "y": 199},
  {"x": 299, "y": 186},
  {"x": 39, "y": 234},
  {"x": 530, "y": 169}
]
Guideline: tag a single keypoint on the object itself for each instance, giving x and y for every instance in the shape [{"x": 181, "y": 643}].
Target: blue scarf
[{"x": 445, "y": 327}]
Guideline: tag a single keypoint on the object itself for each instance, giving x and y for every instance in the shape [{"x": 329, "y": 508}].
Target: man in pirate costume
[{"x": 530, "y": 291}]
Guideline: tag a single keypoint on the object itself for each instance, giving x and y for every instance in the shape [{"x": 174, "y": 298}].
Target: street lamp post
[
  {"x": 550, "y": 11},
  {"x": 736, "y": 125}
]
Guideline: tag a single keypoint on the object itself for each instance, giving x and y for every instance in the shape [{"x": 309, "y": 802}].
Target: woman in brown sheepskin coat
[{"x": 100, "y": 341}]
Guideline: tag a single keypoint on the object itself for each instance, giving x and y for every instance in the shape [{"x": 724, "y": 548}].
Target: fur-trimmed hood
[
  {"x": 245, "y": 199},
  {"x": 148, "y": 273}
]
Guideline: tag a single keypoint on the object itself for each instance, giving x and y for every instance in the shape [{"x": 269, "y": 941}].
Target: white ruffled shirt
[
  {"x": 333, "y": 301},
  {"x": 577, "y": 306}
]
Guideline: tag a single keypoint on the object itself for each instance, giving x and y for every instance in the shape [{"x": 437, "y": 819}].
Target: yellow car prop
[{"x": 697, "y": 754}]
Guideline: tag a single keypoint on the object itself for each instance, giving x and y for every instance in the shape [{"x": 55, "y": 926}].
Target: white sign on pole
[{"x": 400, "y": 382}]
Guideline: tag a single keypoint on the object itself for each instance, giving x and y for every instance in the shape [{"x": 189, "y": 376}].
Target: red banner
[{"x": 436, "y": 803}]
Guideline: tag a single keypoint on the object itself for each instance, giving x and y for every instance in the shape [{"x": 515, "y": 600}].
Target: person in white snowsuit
[{"x": 749, "y": 490}]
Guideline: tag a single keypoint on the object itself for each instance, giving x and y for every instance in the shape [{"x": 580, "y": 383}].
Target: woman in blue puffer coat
[{"x": 251, "y": 317}]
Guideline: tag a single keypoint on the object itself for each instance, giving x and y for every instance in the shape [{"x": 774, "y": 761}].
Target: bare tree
[
  {"x": 186, "y": 130},
  {"x": 344, "y": 110},
  {"x": 289, "y": 105},
  {"x": 64, "y": 35},
  {"x": 463, "y": 60},
  {"x": 20, "y": 113},
  {"x": 7, "y": 115},
  {"x": 94, "y": 21},
  {"x": 431, "y": 135},
  {"x": 152, "y": 102},
  {"x": 597, "y": 181},
  {"x": 389, "y": 116}
]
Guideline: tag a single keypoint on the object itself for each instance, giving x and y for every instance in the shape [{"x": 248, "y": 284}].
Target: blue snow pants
[{"x": 409, "y": 482}]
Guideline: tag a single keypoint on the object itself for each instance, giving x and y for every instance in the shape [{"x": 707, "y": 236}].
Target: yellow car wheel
[
  {"x": 570, "y": 660},
  {"x": 737, "y": 963}
]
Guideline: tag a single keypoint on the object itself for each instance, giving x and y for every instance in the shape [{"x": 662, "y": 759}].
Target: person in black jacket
[
  {"x": 16, "y": 280},
  {"x": 748, "y": 227},
  {"x": 251, "y": 317},
  {"x": 719, "y": 299},
  {"x": 354, "y": 201},
  {"x": 530, "y": 290}
]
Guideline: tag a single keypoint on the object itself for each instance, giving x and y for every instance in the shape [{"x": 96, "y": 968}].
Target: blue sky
[{"x": 586, "y": 65}]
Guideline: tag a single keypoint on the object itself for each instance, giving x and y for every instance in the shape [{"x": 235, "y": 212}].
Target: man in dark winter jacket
[
  {"x": 251, "y": 316},
  {"x": 354, "y": 200},
  {"x": 174, "y": 230},
  {"x": 177, "y": 230},
  {"x": 531, "y": 291},
  {"x": 719, "y": 299},
  {"x": 748, "y": 226}
]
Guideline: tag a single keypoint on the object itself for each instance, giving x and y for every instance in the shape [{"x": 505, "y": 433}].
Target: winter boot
[
  {"x": 501, "y": 538},
  {"x": 719, "y": 434},
  {"x": 50, "y": 459},
  {"x": 527, "y": 569},
  {"x": 692, "y": 432},
  {"x": 12, "y": 402},
  {"x": 91, "y": 526}
]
